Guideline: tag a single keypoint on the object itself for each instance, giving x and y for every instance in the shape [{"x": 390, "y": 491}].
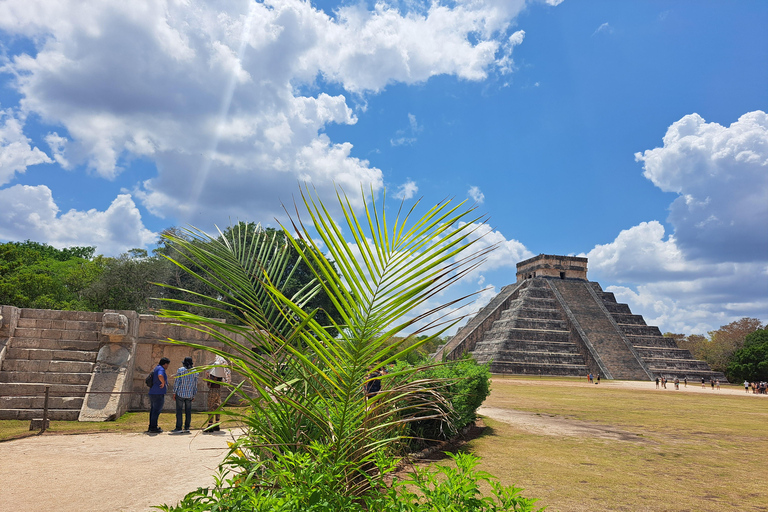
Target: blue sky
[{"x": 633, "y": 133}]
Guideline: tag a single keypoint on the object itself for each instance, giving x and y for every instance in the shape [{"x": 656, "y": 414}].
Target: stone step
[
  {"x": 663, "y": 353},
  {"x": 38, "y": 402},
  {"x": 48, "y": 354},
  {"x": 640, "y": 330},
  {"x": 47, "y": 365},
  {"x": 652, "y": 341},
  {"x": 55, "y": 314},
  {"x": 628, "y": 318},
  {"x": 540, "y": 293},
  {"x": 529, "y": 323},
  {"x": 670, "y": 364},
  {"x": 30, "y": 414},
  {"x": 37, "y": 343},
  {"x": 45, "y": 378},
  {"x": 55, "y": 334},
  {"x": 65, "y": 325},
  {"x": 38, "y": 389},
  {"x": 529, "y": 346},
  {"x": 617, "y": 308},
  {"x": 519, "y": 356},
  {"x": 540, "y": 314},
  {"x": 538, "y": 369},
  {"x": 527, "y": 335}
]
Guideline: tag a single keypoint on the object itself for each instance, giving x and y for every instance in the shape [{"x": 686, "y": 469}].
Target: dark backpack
[{"x": 150, "y": 379}]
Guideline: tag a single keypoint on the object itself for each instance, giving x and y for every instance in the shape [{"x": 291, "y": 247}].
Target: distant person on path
[
  {"x": 746, "y": 387},
  {"x": 657, "y": 383},
  {"x": 677, "y": 384},
  {"x": 215, "y": 376},
  {"x": 712, "y": 383},
  {"x": 598, "y": 379},
  {"x": 702, "y": 383},
  {"x": 184, "y": 391},
  {"x": 157, "y": 394},
  {"x": 717, "y": 383},
  {"x": 685, "y": 380}
]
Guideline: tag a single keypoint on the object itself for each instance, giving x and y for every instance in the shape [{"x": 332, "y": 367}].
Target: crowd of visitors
[
  {"x": 757, "y": 388},
  {"x": 185, "y": 385}
]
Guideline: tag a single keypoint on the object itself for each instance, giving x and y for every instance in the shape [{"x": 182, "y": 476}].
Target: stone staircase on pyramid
[
  {"x": 531, "y": 337},
  {"x": 661, "y": 355},
  {"x": 48, "y": 348}
]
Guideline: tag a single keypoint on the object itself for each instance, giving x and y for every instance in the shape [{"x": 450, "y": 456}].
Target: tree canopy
[{"x": 751, "y": 361}]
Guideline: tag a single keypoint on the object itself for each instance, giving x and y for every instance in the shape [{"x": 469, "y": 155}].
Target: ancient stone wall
[{"x": 94, "y": 364}]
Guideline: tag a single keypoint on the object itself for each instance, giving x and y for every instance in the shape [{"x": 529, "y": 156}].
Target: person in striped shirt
[{"x": 184, "y": 391}]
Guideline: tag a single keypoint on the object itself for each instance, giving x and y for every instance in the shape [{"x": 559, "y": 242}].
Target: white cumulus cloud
[
  {"x": 28, "y": 212},
  {"x": 721, "y": 177},
  {"x": 476, "y": 194},
  {"x": 407, "y": 190},
  {"x": 713, "y": 268},
  {"x": 224, "y": 98},
  {"x": 16, "y": 153}
]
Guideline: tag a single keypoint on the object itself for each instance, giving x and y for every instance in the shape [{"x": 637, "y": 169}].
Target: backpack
[{"x": 150, "y": 378}]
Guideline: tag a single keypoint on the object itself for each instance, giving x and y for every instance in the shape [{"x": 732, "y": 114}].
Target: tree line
[{"x": 37, "y": 275}]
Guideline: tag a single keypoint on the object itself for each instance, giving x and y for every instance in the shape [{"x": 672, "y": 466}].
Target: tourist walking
[
  {"x": 598, "y": 379},
  {"x": 657, "y": 383},
  {"x": 746, "y": 386},
  {"x": 712, "y": 383},
  {"x": 717, "y": 383},
  {"x": 685, "y": 380},
  {"x": 157, "y": 394},
  {"x": 184, "y": 391},
  {"x": 702, "y": 383},
  {"x": 216, "y": 376}
]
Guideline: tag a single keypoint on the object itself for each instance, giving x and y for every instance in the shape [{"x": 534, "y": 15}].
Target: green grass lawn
[{"x": 693, "y": 452}]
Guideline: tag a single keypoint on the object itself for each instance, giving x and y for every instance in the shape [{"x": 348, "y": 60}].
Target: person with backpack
[
  {"x": 157, "y": 394},
  {"x": 184, "y": 391}
]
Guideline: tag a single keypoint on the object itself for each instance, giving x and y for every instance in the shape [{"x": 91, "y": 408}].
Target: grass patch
[
  {"x": 693, "y": 451},
  {"x": 129, "y": 422}
]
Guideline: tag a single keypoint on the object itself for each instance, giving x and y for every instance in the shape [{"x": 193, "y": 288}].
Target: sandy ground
[
  {"x": 106, "y": 472},
  {"x": 132, "y": 472}
]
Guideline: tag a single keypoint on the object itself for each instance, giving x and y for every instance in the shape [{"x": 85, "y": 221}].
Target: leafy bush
[
  {"x": 308, "y": 485},
  {"x": 465, "y": 385}
]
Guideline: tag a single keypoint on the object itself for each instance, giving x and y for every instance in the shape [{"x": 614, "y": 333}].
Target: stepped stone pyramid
[{"x": 553, "y": 321}]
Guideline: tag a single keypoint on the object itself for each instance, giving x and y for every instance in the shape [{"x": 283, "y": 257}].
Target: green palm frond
[{"x": 307, "y": 386}]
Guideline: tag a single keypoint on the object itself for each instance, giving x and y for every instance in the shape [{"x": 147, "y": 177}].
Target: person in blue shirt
[
  {"x": 184, "y": 391},
  {"x": 157, "y": 394}
]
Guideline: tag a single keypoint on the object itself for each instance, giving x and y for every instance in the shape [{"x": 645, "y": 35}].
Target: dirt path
[{"x": 105, "y": 472}]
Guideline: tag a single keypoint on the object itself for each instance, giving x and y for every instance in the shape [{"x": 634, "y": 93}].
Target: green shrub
[
  {"x": 465, "y": 384},
  {"x": 309, "y": 486}
]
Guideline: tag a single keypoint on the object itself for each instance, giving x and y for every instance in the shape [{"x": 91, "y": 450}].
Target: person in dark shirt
[{"x": 157, "y": 394}]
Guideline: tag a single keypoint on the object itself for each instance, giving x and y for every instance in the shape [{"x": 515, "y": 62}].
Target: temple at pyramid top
[{"x": 548, "y": 265}]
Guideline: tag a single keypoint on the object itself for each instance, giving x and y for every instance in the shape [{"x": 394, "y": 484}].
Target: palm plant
[{"x": 304, "y": 386}]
